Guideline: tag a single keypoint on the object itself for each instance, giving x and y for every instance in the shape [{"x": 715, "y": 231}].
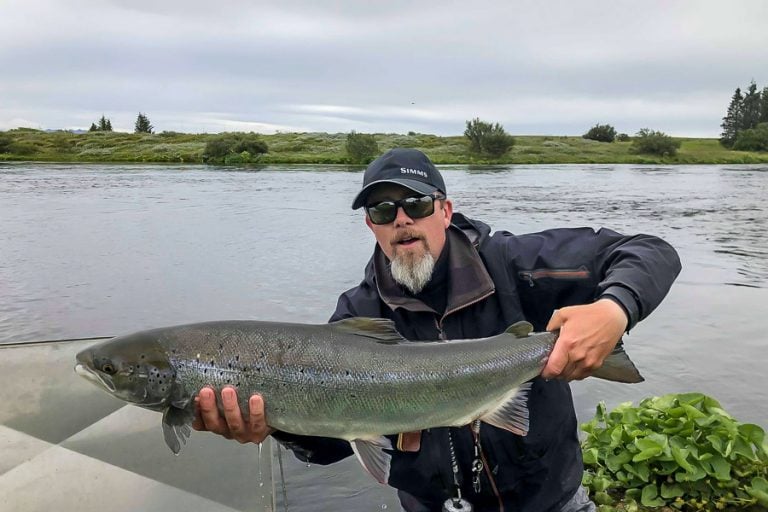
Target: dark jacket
[{"x": 495, "y": 281}]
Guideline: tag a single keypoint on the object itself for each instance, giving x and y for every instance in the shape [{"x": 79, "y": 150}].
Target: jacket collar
[{"x": 470, "y": 281}]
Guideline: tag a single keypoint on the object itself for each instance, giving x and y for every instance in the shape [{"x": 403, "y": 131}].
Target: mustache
[{"x": 405, "y": 235}]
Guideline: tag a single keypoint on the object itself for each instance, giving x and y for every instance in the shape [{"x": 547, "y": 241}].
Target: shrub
[
  {"x": 601, "y": 133},
  {"x": 683, "y": 451},
  {"x": 5, "y": 143},
  {"x": 487, "y": 139},
  {"x": 222, "y": 148},
  {"x": 23, "y": 148},
  {"x": 361, "y": 147},
  {"x": 754, "y": 139},
  {"x": 623, "y": 137},
  {"x": 655, "y": 143}
]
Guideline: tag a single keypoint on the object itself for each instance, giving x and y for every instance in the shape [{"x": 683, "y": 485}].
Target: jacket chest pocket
[{"x": 551, "y": 276}]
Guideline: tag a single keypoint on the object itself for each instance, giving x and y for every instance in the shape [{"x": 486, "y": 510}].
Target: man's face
[{"x": 406, "y": 238}]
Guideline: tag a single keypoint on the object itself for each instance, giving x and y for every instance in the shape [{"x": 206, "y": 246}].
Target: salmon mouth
[{"x": 94, "y": 377}]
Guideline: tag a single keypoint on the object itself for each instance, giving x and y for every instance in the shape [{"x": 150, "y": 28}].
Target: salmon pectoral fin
[
  {"x": 512, "y": 414},
  {"x": 176, "y": 427},
  {"x": 618, "y": 367},
  {"x": 371, "y": 454}
]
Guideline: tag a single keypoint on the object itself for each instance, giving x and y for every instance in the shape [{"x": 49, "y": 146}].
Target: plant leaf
[{"x": 650, "y": 496}]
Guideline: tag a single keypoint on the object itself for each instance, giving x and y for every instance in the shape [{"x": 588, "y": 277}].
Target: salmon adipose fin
[
  {"x": 371, "y": 454},
  {"x": 513, "y": 414},
  {"x": 618, "y": 367},
  {"x": 520, "y": 329},
  {"x": 176, "y": 427}
]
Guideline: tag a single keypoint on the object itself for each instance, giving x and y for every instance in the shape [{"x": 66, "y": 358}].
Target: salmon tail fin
[
  {"x": 512, "y": 414},
  {"x": 618, "y": 367},
  {"x": 371, "y": 454}
]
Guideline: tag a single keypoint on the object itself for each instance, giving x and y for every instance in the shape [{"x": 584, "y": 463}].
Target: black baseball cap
[{"x": 403, "y": 166}]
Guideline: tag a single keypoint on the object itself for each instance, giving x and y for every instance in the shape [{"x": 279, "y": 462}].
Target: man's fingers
[
  {"x": 556, "y": 321},
  {"x": 209, "y": 413},
  {"x": 557, "y": 362},
  {"x": 197, "y": 423},
  {"x": 232, "y": 411},
  {"x": 256, "y": 413}
]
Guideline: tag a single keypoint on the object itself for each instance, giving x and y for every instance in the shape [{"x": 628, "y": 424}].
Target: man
[{"x": 440, "y": 275}]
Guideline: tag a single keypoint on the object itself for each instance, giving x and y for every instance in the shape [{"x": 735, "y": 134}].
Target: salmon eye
[{"x": 108, "y": 368}]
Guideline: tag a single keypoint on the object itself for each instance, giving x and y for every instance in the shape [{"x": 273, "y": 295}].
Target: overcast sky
[{"x": 537, "y": 67}]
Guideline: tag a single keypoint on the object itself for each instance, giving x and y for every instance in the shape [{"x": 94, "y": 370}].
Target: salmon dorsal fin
[
  {"x": 381, "y": 329},
  {"x": 520, "y": 329}
]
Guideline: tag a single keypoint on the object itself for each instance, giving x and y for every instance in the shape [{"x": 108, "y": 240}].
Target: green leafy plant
[{"x": 681, "y": 451}]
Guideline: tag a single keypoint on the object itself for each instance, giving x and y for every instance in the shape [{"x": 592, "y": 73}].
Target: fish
[{"x": 355, "y": 379}]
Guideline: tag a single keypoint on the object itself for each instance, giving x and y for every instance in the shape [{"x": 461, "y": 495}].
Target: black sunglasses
[{"x": 414, "y": 207}]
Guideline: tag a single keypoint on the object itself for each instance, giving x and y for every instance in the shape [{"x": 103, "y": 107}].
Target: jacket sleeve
[
  {"x": 636, "y": 271},
  {"x": 320, "y": 450}
]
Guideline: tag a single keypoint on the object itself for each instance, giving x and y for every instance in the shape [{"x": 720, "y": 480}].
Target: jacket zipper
[
  {"x": 440, "y": 323},
  {"x": 568, "y": 273},
  {"x": 489, "y": 473},
  {"x": 442, "y": 337}
]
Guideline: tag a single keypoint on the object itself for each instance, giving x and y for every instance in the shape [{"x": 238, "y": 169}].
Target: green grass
[{"x": 328, "y": 148}]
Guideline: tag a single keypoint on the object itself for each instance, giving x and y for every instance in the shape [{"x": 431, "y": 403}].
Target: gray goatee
[{"x": 413, "y": 272}]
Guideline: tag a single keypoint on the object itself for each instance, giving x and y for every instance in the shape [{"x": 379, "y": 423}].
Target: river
[{"x": 99, "y": 250}]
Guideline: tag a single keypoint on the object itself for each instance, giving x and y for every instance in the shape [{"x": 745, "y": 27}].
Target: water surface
[{"x": 93, "y": 250}]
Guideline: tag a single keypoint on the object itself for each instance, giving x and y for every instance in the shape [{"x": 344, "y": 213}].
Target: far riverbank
[{"x": 328, "y": 148}]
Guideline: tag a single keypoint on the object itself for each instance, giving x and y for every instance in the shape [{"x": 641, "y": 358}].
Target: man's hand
[
  {"x": 588, "y": 334},
  {"x": 233, "y": 425}
]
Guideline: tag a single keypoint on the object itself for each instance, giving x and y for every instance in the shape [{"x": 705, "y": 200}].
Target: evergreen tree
[
  {"x": 732, "y": 120},
  {"x": 764, "y": 106},
  {"x": 93, "y": 128},
  {"x": 105, "y": 125},
  {"x": 142, "y": 124},
  {"x": 750, "y": 113}
]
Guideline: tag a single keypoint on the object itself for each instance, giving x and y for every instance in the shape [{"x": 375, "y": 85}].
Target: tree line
[
  {"x": 745, "y": 125},
  {"x": 142, "y": 125}
]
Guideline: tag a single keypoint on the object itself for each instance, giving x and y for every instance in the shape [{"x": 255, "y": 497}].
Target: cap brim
[{"x": 416, "y": 186}]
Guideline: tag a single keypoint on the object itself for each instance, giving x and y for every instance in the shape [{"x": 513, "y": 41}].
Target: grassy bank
[{"x": 328, "y": 148}]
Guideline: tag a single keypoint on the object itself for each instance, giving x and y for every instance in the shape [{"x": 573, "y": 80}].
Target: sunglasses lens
[
  {"x": 418, "y": 207},
  {"x": 415, "y": 207},
  {"x": 382, "y": 213}
]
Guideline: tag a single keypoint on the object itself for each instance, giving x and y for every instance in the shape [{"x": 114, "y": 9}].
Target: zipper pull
[
  {"x": 440, "y": 333},
  {"x": 528, "y": 276},
  {"x": 477, "y": 463}
]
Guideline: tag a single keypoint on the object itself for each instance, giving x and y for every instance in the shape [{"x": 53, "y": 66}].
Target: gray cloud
[{"x": 536, "y": 67}]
